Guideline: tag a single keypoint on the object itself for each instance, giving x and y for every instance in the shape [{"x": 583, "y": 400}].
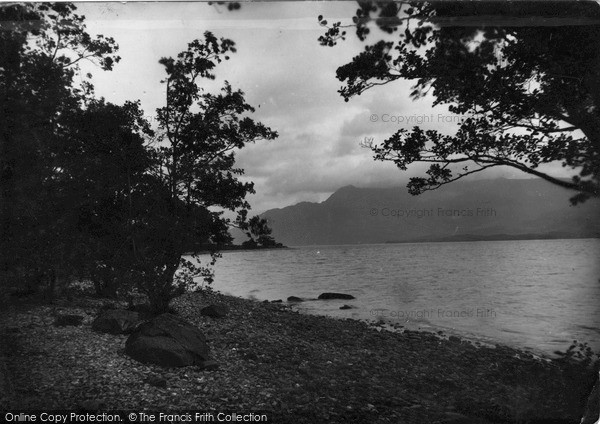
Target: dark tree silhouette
[
  {"x": 87, "y": 188},
  {"x": 195, "y": 153},
  {"x": 41, "y": 46},
  {"x": 104, "y": 164},
  {"x": 526, "y": 75},
  {"x": 259, "y": 233}
]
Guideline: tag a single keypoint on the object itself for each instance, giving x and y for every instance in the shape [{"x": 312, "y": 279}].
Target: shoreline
[
  {"x": 301, "y": 368},
  {"x": 469, "y": 238},
  {"x": 386, "y": 243},
  {"x": 240, "y": 249},
  {"x": 437, "y": 331}
]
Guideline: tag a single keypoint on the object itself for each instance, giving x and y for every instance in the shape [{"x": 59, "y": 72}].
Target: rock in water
[
  {"x": 215, "y": 311},
  {"x": 294, "y": 299},
  {"x": 327, "y": 296},
  {"x": 116, "y": 321},
  {"x": 168, "y": 341}
]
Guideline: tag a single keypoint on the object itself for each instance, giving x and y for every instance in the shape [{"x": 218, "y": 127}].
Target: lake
[{"x": 534, "y": 294}]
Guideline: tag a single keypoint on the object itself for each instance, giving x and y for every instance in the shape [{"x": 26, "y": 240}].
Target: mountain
[{"x": 464, "y": 210}]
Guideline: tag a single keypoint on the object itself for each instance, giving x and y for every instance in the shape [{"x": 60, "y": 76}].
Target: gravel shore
[{"x": 296, "y": 368}]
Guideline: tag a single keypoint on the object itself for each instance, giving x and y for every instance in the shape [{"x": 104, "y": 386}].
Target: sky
[{"x": 287, "y": 76}]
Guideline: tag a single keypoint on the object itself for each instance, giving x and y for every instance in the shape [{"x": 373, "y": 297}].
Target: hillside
[{"x": 469, "y": 210}]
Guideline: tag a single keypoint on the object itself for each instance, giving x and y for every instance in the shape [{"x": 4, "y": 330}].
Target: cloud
[{"x": 287, "y": 76}]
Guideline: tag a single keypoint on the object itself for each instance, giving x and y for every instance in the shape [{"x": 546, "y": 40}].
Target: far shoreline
[
  {"x": 236, "y": 248},
  {"x": 466, "y": 239}
]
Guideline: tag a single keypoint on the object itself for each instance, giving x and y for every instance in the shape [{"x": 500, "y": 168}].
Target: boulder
[
  {"x": 210, "y": 365},
  {"x": 346, "y": 307},
  {"x": 294, "y": 299},
  {"x": 157, "y": 381},
  {"x": 116, "y": 321},
  {"x": 65, "y": 320},
  {"x": 168, "y": 341},
  {"x": 327, "y": 296},
  {"x": 215, "y": 311},
  {"x": 143, "y": 309}
]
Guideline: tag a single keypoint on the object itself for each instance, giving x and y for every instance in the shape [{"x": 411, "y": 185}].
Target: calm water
[{"x": 536, "y": 294}]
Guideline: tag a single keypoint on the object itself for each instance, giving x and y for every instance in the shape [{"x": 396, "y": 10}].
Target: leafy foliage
[
  {"x": 195, "y": 167},
  {"x": 87, "y": 188},
  {"x": 524, "y": 73},
  {"x": 40, "y": 54},
  {"x": 103, "y": 166},
  {"x": 259, "y": 233}
]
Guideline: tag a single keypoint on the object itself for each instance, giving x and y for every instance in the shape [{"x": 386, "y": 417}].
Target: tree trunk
[{"x": 164, "y": 290}]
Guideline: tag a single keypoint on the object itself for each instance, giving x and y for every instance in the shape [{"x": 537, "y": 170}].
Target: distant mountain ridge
[{"x": 499, "y": 209}]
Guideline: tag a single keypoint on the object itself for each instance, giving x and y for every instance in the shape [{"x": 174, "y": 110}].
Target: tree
[
  {"x": 195, "y": 154},
  {"x": 40, "y": 51},
  {"x": 104, "y": 162},
  {"x": 259, "y": 234},
  {"x": 525, "y": 74}
]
